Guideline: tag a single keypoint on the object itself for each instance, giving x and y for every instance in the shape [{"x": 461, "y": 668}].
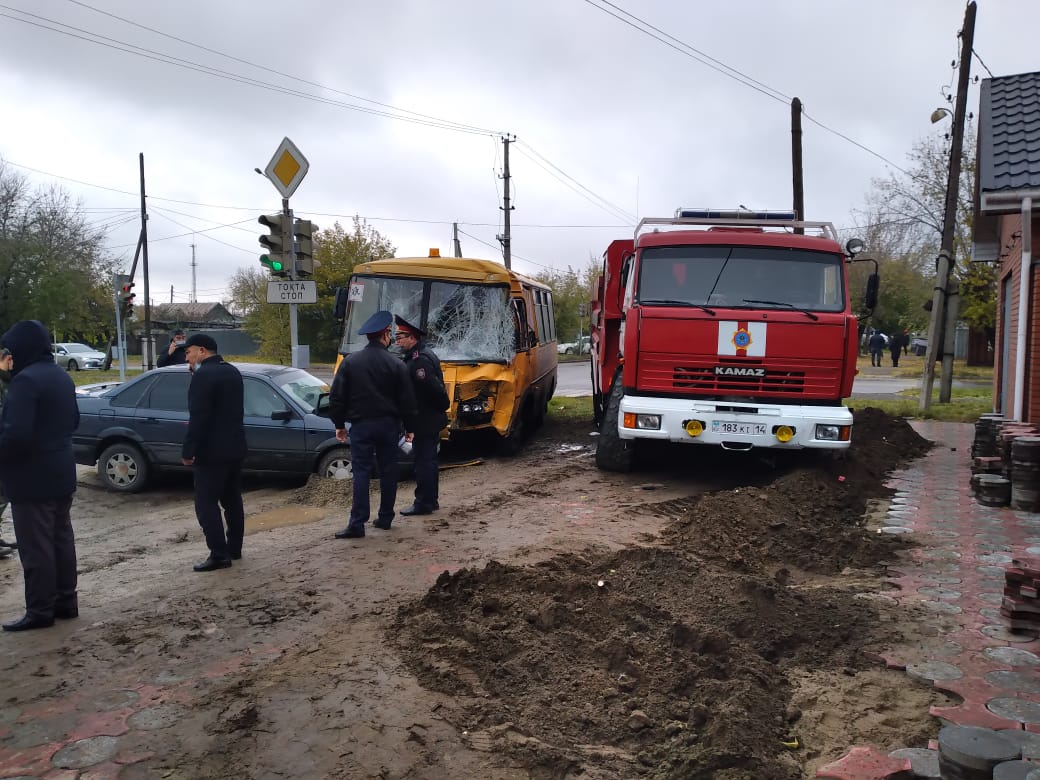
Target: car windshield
[
  {"x": 78, "y": 348},
  {"x": 304, "y": 388},
  {"x": 742, "y": 277}
]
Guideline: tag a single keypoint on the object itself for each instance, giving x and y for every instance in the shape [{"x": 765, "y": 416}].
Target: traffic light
[
  {"x": 303, "y": 245},
  {"x": 276, "y": 260},
  {"x": 126, "y": 300}
]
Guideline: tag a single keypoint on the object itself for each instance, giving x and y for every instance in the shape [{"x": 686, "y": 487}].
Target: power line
[
  {"x": 553, "y": 170},
  {"x": 169, "y": 59}
]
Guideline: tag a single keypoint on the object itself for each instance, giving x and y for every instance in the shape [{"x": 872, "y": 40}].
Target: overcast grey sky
[{"x": 609, "y": 122}]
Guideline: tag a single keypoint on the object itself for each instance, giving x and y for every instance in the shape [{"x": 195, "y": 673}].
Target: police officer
[
  {"x": 424, "y": 368},
  {"x": 215, "y": 447},
  {"x": 371, "y": 390}
]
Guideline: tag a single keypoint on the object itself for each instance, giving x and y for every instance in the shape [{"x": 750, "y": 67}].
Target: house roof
[
  {"x": 1009, "y": 133},
  {"x": 190, "y": 312},
  {"x": 1008, "y": 155}
]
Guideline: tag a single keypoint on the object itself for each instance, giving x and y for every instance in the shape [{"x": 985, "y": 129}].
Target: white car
[
  {"x": 581, "y": 346},
  {"x": 74, "y": 356}
]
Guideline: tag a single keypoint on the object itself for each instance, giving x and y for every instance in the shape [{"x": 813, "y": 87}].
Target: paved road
[{"x": 575, "y": 379}]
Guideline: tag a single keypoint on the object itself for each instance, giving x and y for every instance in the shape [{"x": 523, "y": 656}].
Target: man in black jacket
[
  {"x": 39, "y": 474},
  {"x": 424, "y": 369},
  {"x": 215, "y": 446},
  {"x": 175, "y": 352},
  {"x": 372, "y": 391}
]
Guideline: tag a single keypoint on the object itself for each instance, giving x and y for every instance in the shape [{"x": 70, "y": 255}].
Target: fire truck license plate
[{"x": 750, "y": 429}]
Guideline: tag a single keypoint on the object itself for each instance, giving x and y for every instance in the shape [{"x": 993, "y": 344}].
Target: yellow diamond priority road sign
[{"x": 287, "y": 168}]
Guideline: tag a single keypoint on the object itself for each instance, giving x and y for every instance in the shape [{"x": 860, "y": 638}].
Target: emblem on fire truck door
[{"x": 742, "y": 338}]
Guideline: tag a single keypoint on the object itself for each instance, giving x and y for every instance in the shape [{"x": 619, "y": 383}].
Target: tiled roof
[
  {"x": 190, "y": 312},
  {"x": 1009, "y": 133}
]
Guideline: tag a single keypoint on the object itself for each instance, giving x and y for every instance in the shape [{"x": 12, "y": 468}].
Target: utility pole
[
  {"x": 194, "y": 290},
  {"x": 945, "y": 260},
  {"x": 455, "y": 239},
  {"x": 504, "y": 239},
  {"x": 150, "y": 359},
  {"x": 797, "y": 176}
]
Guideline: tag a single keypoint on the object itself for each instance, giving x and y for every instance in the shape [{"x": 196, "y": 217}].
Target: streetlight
[{"x": 939, "y": 113}]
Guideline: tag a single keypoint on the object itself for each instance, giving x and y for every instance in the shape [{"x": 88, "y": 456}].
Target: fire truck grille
[{"x": 755, "y": 381}]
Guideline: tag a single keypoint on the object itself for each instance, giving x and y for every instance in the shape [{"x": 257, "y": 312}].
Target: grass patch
[{"x": 571, "y": 408}]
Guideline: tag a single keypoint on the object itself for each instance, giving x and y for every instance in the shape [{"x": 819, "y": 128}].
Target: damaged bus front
[{"x": 492, "y": 329}]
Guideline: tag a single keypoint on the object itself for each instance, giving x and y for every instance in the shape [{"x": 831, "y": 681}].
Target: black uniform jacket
[
  {"x": 371, "y": 383},
  {"x": 37, "y": 421},
  {"x": 424, "y": 367},
  {"x": 215, "y": 429}
]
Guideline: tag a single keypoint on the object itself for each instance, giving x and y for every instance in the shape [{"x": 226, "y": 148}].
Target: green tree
[
  {"x": 904, "y": 222},
  {"x": 336, "y": 252},
  {"x": 53, "y": 266},
  {"x": 572, "y": 290}
]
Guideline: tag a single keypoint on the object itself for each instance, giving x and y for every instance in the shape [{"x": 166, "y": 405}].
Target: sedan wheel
[
  {"x": 122, "y": 467},
  {"x": 335, "y": 464},
  {"x": 73, "y": 365}
]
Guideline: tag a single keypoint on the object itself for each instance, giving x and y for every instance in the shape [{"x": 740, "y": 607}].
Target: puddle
[{"x": 282, "y": 517}]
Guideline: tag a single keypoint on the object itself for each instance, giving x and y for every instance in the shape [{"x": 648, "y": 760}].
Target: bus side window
[{"x": 521, "y": 337}]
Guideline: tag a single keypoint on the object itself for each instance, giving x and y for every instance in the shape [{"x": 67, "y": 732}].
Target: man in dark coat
[
  {"x": 215, "y": 447},
  {"x": 39, "y": 474},
  {"x": 175, "y": 352},
  {"x": 372, "y": 391},
  {"x": 895, "y": 347},
  {"x": 424, "y": 368},
  {"x": 877, "y": 347}
]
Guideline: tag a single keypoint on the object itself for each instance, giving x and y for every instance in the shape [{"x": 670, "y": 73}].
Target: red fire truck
[{"x": 729, "y": 328}]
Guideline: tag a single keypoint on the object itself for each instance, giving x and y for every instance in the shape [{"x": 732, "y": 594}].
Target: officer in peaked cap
[
  {"x": 372, "y": 391},
  {"x": 378, "y": 322},
  {"x": 424, "y": 369}
]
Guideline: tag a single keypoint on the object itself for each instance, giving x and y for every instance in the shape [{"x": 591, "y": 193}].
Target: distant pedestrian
[
  {"x": 174, "y": 352},
  {"x": 895, "y": 348},
  {"x": 906, "y": 341},
  {"x": 215, "y": 447},
  {"x": 372, "y": 391},
  {"x": 877, "y": 347},
  {"x": 38, "y": 473},
  {"x": 6, "y": 364},
  {"x": 424, "y": 368}
]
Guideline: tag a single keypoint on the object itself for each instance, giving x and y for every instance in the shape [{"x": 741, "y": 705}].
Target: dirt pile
[{"x": 675, "y": 660}]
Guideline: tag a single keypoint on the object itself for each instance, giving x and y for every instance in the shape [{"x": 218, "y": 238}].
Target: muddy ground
[{"x": 695, "y": 619}]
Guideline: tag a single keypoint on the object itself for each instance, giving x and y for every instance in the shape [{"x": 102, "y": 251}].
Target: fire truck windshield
[{"x": 741, "y": 277}]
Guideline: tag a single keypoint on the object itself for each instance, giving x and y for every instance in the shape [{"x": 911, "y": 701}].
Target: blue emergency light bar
[{"x": 682, "y": 213}]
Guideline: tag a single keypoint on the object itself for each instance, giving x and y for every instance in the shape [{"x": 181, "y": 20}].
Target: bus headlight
[
  {"x": 827, "y": 432},
  {"x": 644, "y": 422},
  {"x": 784, "y": 433},
  {"x": 694, "y": 427}
]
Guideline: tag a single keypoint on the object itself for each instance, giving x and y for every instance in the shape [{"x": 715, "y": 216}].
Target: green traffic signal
[{"x": 273, "y": 264}]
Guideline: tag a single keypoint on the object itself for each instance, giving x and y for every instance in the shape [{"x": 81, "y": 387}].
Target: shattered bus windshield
[{"x": 465, "y": 323}]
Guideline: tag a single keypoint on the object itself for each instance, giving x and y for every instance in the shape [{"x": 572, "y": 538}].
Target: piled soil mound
[{"x": 672, "y": 661}]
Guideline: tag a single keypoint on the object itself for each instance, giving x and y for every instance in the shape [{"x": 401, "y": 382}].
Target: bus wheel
[
  {"x": 612, "y": 452},
  {"x": 513, "y": 442}
]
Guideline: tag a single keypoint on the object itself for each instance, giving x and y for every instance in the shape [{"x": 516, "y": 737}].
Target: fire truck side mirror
[{"x": 870, "y": 297}]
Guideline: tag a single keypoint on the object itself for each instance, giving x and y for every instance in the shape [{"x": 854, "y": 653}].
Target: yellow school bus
[{"x": 492, "y": 328}]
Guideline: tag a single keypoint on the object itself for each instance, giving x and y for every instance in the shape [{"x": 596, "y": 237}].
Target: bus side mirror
[
  {"x": 339, "y": 310},
  {"x": 870, "y": 297}
]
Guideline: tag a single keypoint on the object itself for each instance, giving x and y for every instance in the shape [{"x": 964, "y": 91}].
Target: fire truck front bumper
[{"x": 735, "y": 426}]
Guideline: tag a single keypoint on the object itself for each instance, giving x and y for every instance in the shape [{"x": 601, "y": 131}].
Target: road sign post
[{"x": 285, "y": 171}]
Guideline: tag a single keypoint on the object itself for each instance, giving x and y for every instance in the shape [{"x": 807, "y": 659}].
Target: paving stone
[
  {"x": 933, "y": 670},
  {"x": 86, "y": 752},
  {"x": 991, "y": 571},
  {"x": 1014, "y": 708},
  {"x": 1012, "y": 656},
  {"x": 1004, "y": 634},
  {"x": 944, "y": 594},
  {"x": 1013, "y": 770},
  {"x": 993, "y": 558},
  {"x": 37, "y": 732},
  {"x": 114, "y": 700},
  {"x": 970, "y": 747},
  {"x": 155, "y": 717},
  {"x": 867, "y": 763},
  {"x": 936, "y": 554},
  {"x": 1019, "y": 682},
  {"x": 943, "y": 607},
  {"x": 940, "y": 534},
  {"x": 923, "y": 762},
  {"x": 1027, "y": 741},
  {"x": 990, "y": 597},
  {"x": 895, "y": 529}
]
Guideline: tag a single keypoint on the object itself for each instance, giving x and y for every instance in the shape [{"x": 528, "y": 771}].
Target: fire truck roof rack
[{"x": 784, "y": 220}]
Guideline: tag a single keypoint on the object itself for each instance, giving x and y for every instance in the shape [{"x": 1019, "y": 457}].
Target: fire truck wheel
[{"x": 612, "y": 452}]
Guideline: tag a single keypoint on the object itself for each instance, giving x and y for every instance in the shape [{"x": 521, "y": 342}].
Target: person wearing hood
[
  {"x": 38, "y": 474},
  {"x": 6, "y": 548}
]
